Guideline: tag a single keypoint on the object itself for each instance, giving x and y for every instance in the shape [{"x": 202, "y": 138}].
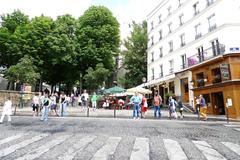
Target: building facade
[{"x": 185, "y": 33}]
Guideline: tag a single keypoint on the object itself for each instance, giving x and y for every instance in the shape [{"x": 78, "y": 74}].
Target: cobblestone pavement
[{"x": 119, "y": 139}]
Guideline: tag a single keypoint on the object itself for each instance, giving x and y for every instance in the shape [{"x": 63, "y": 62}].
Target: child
[{"x": 7, "y": 110}]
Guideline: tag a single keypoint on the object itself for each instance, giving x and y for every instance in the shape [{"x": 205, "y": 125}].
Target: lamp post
[{"x": 144, "y": 81}]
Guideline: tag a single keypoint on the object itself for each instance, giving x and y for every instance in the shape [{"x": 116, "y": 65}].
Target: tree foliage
[
  {"x": 23, "y": 72},
  {"x": 135, "y": 55},
  {"x": 95, "y": 78}
]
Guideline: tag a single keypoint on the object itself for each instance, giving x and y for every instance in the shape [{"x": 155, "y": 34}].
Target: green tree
[
  {"x": 9, "y": 48},
  {"x": 23, "y": 72},
  {"x": 98, "y": 38},
  {"x": 95, "y": 78},
  {"x": 135, "y": 55}
]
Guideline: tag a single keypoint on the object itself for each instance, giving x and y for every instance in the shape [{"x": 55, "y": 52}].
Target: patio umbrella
[
  {"x": 114, "y": 90},
  {"x": 139, "y": 90}
]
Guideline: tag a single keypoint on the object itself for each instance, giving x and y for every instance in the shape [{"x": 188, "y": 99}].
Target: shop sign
[{"x": 225, "y": 72}]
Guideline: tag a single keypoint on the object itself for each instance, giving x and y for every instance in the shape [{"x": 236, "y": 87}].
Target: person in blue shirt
[{"x": 136, "y": 101}]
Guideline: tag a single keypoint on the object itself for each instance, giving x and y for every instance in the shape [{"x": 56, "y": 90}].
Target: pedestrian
[
  {"x": 144, "y": 106},
  {"x": 180, "y": 107},
  {"x": 45, "y": 109},
  {"x": 35, "y": 104},
  {"x": 197, "y": 107},
  {"x": 7, "y": 110},
  {"x": 53, "y": 105},
  {"x": 157, "y": 102},
  {"x": 135, "y": 100},
  {"x": 172, "y": 108},
  {"x": 63, "y": 104},
  {"x": 79, "y": 100},
  {"x": 84, "y": 98},
  {"x": 203, "y": 108},
  {"x": 94, "y": 101}
]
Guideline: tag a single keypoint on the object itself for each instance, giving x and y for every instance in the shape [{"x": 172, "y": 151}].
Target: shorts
[
  {"x": 35, "y": 107},
  {"x": 53, "y": 107}
]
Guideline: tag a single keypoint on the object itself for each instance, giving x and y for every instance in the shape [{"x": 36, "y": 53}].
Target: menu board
[{"x": 225, "y": 72}]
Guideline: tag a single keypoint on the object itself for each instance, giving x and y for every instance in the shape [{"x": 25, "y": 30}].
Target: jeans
[
  {"x": 157, "y": 111},
  {"x": 45, "y": 113},
  {"x": 135, "y": 110},
  {"x": 63, "y": 109},
  {"x": 3, "y": 115}
]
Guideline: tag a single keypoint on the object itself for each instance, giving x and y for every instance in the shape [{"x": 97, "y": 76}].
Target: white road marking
[
  {"x": 174, "y": 150},
  {"x": 208, "y": 151},
  {"x": 44, "y": 148},
  {"x": 8, "y": 139},
  {"x": 13, "y": 148},
  {"x": 140, "y": 149},
  {"x": 237, "y": 129},
  {"x": 234, "y": 147},
  {"x": 108, "y": 149},
  {"x": 232, "y": 125},
  {"x": 78, "y": 146}
]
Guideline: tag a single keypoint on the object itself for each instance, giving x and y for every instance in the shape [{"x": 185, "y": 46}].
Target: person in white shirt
[
  {"x": 84, "y": 98},
  {"x": 35, "y": 105},
  {"x": 7, "y": 110}
]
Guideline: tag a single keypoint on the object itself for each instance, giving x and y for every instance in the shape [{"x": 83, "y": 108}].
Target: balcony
[
  {"x": 198, "y": 36},
  {"x": 200, "y": 83},
  {"x": 206, "y": 55},
  {"x": 183, "y": 66},
  {"x": 170, "y": 70},
  {"x": 217, "y": 79},
  {"x": 210, "y": 29}
]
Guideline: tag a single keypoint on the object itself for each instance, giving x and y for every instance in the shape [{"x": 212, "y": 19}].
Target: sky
[{"x": 124, "y": 10}]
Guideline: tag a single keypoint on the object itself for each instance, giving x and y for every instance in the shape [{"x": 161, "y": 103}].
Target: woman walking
[
  {"x": 7, "y": 110},
  {"x": 144, "y": 106}
]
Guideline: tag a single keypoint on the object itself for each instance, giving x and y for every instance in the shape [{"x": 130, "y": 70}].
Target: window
[
  {"x": 182, "y": 38},
  {"x": 198, "y": 31},
  {"x": 160, "y": 34},
  {"x": 200, "y": 53},
  {"x": 209, "y": 2},
  {"x": 212, "y": 23},
  {"x": 170, "y": 46},
  {"x": 184, "y": 60},
  {"x": 216, "y": 74},
  {"x": 200, "y": 79},
  {"x": 181, "y": 20},
  {"x": 171, "y": 66},
  {"x": 159, "y": 18},
  {"x": 152, "y": 25},
  {"x": 152, "y": 74},
  {"x": 152, "y": 60},
  {"x": 215, "y": 47},
  {"x": 160, "y": 52},
  {"x": 152, "y": 41},
  {"x": 171, "y": 87},
  {"x": 196, "y": 8},
  {"x": 179, "y": 3},
  {"x": 169, "y": 10},
  {"x": 161, "y": 71},
  {"x": 170, "y": 27}
]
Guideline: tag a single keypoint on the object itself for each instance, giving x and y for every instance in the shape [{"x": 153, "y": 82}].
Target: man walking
[
  {"x": 135, "y": 100},
  {"x": 157, "y": 102},
  {"x": 45, "y": 110},
  {"x": 7, "y": 110}
]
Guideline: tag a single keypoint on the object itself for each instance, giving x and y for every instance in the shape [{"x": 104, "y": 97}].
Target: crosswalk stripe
[
  {"x": 108, "y": 149},
  {"x": 8, "y": 139},
  {"x": 78, "y": 146},
  {"x": 232, "y": 125},
  {"x": 44, "y": 148},
  {"x": 174, "y": 150},
  {"x": 237, "y": 129},
  {"x": 208, "y": 151},
  {"x": 140, "y": 149},
  {"x": 234, "y": 147},
  {"x": 11, "y": 149}
]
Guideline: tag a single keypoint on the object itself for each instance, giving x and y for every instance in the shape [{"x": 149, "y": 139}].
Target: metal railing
[{"x": 206, "y": 55}]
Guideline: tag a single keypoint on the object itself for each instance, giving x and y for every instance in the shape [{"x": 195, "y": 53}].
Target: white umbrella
[{"x": 139, "y": 90}]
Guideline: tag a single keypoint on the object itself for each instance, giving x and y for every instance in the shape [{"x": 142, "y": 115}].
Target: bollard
[
  {"x": 87, "y": 111},
  {"x": 227, "y": 115},
  {"x": 114, "y": 111}
]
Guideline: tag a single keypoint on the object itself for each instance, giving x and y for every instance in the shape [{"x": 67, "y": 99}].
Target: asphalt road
[{"x": 121, "y": 139}]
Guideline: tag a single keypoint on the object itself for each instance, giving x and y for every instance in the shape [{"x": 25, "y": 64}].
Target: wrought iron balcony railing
[{"x": 206, "y": 55}]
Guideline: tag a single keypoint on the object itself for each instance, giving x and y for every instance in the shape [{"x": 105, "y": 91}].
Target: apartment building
[{"x": 187, "y": 33}]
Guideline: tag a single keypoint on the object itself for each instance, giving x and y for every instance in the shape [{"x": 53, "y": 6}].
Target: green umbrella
[{"x": 115, "y": 89}]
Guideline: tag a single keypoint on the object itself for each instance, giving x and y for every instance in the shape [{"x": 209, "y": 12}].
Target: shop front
[{"x": 218, "y": 81}]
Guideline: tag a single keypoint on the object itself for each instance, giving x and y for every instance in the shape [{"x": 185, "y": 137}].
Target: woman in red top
[{"x": 144, "y": 106}]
